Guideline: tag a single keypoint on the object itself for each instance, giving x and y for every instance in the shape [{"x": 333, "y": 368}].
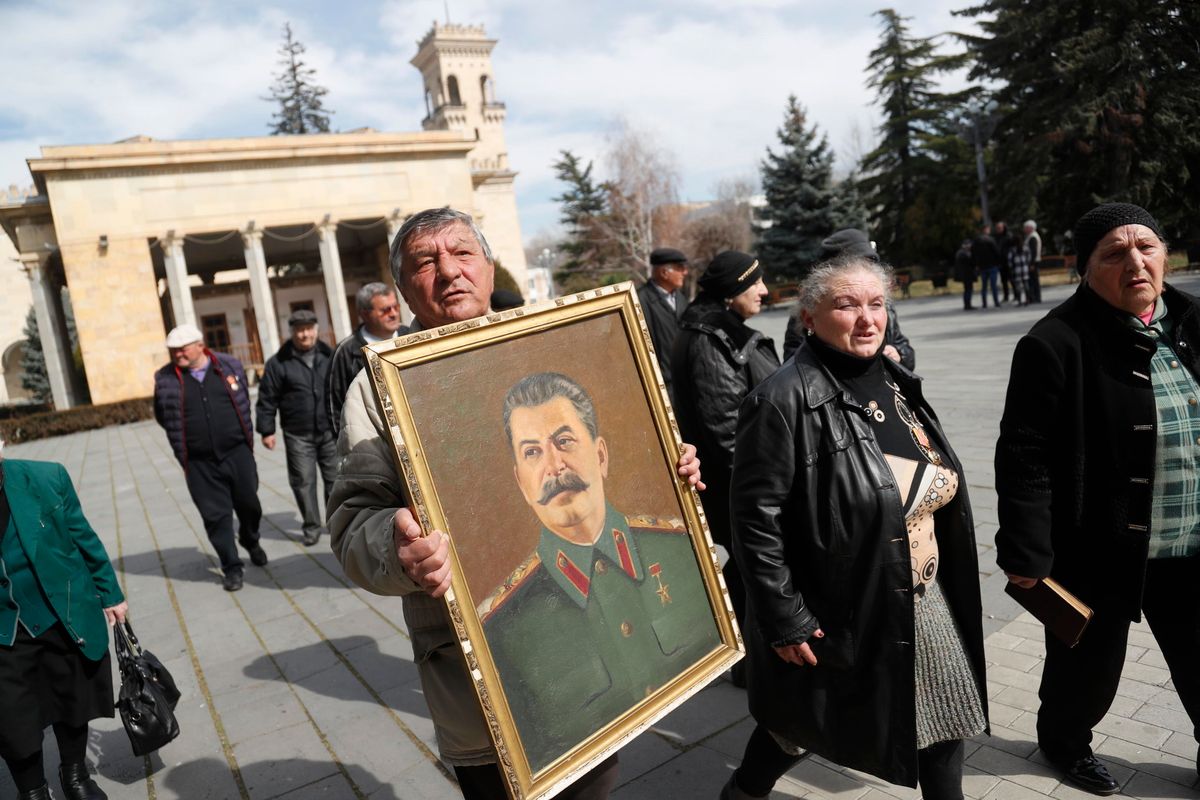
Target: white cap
[{"x": 184, "y": 335}]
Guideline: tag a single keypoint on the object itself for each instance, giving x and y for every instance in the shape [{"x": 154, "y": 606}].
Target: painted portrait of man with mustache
[{"x": 610, "y": 606}]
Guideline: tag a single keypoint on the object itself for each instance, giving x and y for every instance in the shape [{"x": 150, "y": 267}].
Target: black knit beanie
[
  {"x": 1093, "y": 225},
  {"x": 729, "y": 274}
]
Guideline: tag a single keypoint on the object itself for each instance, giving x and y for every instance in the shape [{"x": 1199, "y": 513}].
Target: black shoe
[
  {"x": 311, "y": 537},
  {"x": 258, "y": 556},
  {"x": 232, "y": 580},
  {"x": 40, "y": 793},
  {"x": 1090, "y": 775},
  {"x": 77, "y": 784}
]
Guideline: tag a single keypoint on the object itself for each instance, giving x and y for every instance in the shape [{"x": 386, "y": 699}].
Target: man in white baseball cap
[{"x": 202, "y": 401}]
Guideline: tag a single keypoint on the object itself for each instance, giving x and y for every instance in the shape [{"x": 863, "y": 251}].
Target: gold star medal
[{"x": 664, "y": 595}]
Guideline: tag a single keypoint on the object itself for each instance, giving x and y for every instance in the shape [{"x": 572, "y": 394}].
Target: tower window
[{"x": 452, "y": 89}]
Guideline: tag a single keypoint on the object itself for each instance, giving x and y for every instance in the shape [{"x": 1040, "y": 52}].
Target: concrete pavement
[{"x": 302, "y": 686}]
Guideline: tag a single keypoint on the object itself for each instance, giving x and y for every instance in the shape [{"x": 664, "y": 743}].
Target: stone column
[
  {"x": 177, "y": 280},
  {"x": 47, "y": 309},
  {"x": 260, "y": 291},
  {"x": 335, "y": 284},
  {"x": 393, "y": 227}
]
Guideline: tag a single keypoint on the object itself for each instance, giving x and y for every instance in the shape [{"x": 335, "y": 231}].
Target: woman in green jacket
[{"x": 58, "y": 597}]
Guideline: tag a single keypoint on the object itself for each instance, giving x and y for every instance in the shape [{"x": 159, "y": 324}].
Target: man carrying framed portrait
[{"x": 444, "y": 270}]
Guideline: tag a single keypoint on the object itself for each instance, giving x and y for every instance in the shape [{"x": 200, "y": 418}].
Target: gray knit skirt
[{"x": 948, "y": 702}]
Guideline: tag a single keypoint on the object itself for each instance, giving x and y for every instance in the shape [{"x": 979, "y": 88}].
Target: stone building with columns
[{"x": 233, "y": 235}]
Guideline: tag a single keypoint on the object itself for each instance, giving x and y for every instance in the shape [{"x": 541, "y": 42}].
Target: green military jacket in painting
[
  {"x": 580, "y": 634},
  {"x": 67, "y": 557}
]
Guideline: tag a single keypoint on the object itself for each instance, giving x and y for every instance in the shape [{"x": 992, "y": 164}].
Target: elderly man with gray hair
[
  {"x": 444, "y": 269},
  {"x": 379, "y": 310}
]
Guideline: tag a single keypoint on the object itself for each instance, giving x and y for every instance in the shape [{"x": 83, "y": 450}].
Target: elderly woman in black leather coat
[
  {"x": 853, "y": 531},
  {"x": 717, "y": 360}
]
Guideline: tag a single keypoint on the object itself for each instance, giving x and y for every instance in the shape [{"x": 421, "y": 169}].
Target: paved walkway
[{"x": 301, "y": 686}]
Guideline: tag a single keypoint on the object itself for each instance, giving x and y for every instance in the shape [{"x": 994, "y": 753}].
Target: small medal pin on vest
[
  {"x": 232, "y": 381},
  {"x": 655, "y": 569}
]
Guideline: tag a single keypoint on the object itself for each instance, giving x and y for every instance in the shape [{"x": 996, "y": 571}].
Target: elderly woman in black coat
[
  {"x": 718, "y": 359},
  {"x": 853, "y": 531}
]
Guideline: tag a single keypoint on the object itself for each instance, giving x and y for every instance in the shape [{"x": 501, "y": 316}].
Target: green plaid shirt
[{"x": 1175, "y": 507}]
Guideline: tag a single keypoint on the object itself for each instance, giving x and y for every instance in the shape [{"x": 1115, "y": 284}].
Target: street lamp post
[{"x": 979, "y": 122}]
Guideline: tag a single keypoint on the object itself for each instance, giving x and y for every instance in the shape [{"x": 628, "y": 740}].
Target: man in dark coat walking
[
  {"x": 663, "y": 303},
  {"x": 202, "y": 402},
  {"x": 1097, "y": 477},
  {"x": 294, "y": 385}
]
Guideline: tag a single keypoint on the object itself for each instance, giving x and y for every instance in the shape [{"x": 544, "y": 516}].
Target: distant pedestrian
[
  {"x": 1006, "y": 240},
  {"x": 985, "y": 254},
  {"x": 663, "y": 304},
  {"x": 964, "y": 273},
  {"x": 58, "y": 597},
  {"x": 1033, "y": 243},
  {"x": 1098, "y": 482},
  {"x": 1018, "y": 265},
  {"x": 202, "y": 402},
  {"x": 379, "y": 310},
  {"x": 294, "y": 384}
]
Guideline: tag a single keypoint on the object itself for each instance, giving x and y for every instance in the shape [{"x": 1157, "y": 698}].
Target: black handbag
[{"x": 148, "y": 694}]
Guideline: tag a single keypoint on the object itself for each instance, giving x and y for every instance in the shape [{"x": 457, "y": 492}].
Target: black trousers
[
  {"x": 485, "y": 783},
  {"x": 1079, "y": 684},
  {"x": 221, "y": 488}
]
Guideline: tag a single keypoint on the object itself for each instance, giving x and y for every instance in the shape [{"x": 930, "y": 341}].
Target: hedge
[{"x": 74, "y": 420}]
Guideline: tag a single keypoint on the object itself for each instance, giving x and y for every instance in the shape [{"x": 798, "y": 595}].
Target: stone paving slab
[{"x": 302, "y": 686}]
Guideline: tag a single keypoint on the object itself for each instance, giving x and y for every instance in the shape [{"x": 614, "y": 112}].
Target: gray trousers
[{"x": 304, "y": 454}]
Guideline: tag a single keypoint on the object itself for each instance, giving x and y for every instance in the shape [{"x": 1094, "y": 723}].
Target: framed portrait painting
[{"x": 586, "y": 593}]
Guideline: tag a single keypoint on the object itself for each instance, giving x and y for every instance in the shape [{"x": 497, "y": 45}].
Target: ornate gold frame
[{"x": 386, "y": 359}]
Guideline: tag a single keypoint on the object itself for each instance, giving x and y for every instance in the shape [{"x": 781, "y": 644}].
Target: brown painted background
[{"x": 457, "y": 405}]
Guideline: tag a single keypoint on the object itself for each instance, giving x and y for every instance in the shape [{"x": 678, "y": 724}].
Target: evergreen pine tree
[
  {"x": 300, "y": 106},
  {"x": 584, "y": 213},
  {"x": 34, "y": 377},
  {"x": 1100, "y": 104},
  {"x": 799, "y": 212},
  {"x": 901, "y": 70}
]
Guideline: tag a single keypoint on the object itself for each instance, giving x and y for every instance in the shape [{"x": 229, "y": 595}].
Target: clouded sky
[{"x": 706, "y": 79}]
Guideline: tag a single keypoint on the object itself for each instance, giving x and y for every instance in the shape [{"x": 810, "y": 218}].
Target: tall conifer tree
[
  {"x": 800, "y": 203},
  {"x": 1101, "y": 104},
  {"x": 301, "y": 109},
  {"x": 901, "y": 71}
]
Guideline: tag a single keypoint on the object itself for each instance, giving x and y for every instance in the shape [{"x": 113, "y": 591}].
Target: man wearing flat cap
[
  {"x": 294, "y": 384},
  {"x": 663, "y": 303},
  {"x": 201, "y": 400},
  {"x": 1098, "y": 477}
]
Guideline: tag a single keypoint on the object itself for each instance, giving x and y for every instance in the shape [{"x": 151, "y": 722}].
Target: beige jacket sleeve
[{"x": 365, "y": 496}]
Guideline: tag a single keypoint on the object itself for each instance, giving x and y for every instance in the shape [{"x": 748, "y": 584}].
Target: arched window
[
  {"x": 486, "y": 90},
  {"x": 428, "y": 106},
  {"x": 452, "y": 89}
]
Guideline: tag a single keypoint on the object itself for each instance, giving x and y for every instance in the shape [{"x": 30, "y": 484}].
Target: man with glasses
[{"x": 663, "y": 303}]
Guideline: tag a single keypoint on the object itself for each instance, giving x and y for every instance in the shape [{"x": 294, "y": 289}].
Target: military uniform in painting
[{"x": 580, "y": 634}]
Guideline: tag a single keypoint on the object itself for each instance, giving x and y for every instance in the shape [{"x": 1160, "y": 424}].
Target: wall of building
[{"x": 15, "y": 302}]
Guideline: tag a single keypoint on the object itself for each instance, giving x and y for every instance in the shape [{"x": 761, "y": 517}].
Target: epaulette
[
  {"x": 660, "y": 524},
  {"x": 491, "y": 604}
]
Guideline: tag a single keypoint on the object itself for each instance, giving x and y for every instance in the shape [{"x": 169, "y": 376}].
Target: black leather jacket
[
  {"x": 820, "y": 537},
  {"x": 718, "y": 359}
]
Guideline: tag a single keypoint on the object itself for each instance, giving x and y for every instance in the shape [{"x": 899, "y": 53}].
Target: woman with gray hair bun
[{"x": 853, "y": 531}]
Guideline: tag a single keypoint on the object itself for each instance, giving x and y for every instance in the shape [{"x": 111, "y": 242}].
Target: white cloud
[{"x": 707, "y": 79}]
